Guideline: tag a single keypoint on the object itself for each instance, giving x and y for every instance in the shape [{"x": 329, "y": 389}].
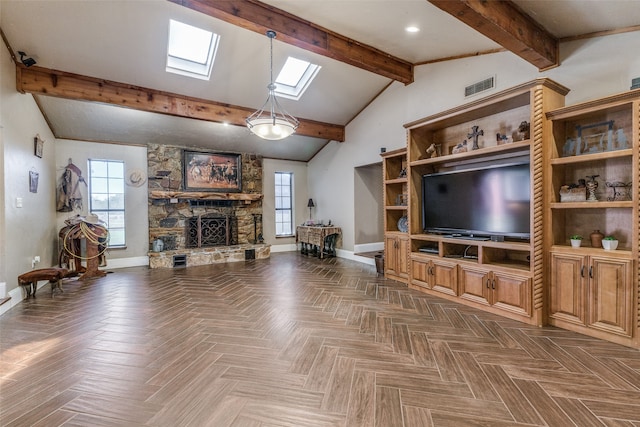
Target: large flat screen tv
[{"x": 483, "y": 202}]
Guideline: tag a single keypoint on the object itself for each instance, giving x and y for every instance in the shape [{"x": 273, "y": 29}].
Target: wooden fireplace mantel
[{"x": 193, "y": 195}]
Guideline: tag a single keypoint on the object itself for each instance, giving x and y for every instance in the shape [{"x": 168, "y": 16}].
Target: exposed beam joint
[
  {"x": 504, "y": 23},
  {"x": 259, "y": 17},
  {"x": 43, "y": 81}
]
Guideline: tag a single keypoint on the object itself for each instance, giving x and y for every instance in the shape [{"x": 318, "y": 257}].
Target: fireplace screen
[{"x": 207, "y": 231}]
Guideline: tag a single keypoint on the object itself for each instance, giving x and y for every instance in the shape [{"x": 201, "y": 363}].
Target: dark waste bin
[{"x": 379, "y": 264}]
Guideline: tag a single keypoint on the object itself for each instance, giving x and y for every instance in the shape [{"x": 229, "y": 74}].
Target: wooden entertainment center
[{"x": 540, "y": 280}]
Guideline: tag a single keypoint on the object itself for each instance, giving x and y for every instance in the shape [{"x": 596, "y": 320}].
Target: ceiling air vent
[{"x": 478, "y": 87}]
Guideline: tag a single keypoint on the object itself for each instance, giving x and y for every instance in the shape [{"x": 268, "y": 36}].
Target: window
[
  {"x": 191, "y": 50},
  {"x": 106, "y": 197},
  {"x": 284, "y": 204},
  {"x": 295, "y": 77}
]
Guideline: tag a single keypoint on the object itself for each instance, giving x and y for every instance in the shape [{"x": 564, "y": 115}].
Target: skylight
[
  {"x": 295, "y": 77},
  {"x": 191, "y": 50}
]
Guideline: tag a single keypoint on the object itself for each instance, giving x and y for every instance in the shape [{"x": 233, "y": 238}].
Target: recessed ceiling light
[{"x": 412, "y": 29}]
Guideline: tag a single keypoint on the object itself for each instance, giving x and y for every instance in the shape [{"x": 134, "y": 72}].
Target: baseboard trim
[
  {"x": 16, "y": 296},
  {"x": 291, "y": 247},
  {"x": 368, "y": 247},
  {"x": 115, "y": 263},
  {"x": 341, "y": 253}
]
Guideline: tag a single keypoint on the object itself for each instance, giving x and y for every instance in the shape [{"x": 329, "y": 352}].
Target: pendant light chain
[{"x": 272, "y": 121}]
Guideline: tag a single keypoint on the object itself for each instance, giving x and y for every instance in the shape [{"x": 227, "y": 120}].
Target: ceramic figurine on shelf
[
  {"x": 592, "y": 186},
  {"x": 524, "y": 130},
  {"x": 460, "y": 148},
  {"x": 596, "y": 239},
  {"x": 502, "y": 139},
  {"x": 569, "y": 147},
  {"x": 621, "y": 140},
  {"x": 433, "y": 151}
]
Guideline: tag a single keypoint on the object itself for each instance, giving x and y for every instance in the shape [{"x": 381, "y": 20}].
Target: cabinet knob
[
  {"x": 488, "y": 281},
  {"x": 493, "y": 284},
  {"x": 582, "y": 271},
  {"x": 591, "y": 272}
]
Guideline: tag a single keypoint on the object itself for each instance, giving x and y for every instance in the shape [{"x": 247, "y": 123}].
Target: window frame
[
  {"x": 304, "y": 81},
  {"x": 289, "y": 208},
  {"x": 188, "y": 67},
  {"x": 104, "y": 214}
]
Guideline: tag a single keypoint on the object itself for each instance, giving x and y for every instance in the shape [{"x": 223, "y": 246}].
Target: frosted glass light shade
[{"x": 271, "y": 128}]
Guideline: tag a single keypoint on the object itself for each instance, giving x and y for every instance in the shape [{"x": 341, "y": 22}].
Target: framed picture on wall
[
  {"x": 212, "y": 171},
  {"x": 38, "y": 146},
  {"x": 33, "y": 181}
]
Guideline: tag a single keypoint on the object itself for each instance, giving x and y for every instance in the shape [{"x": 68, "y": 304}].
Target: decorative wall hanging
[
  {"x": 136, "y": 178},
  {"x": 212, "y": 171},
  {"x": 69, "y": 197},
  {"x": 38, "y": 146},
  {"x": 33, "y": 181}
]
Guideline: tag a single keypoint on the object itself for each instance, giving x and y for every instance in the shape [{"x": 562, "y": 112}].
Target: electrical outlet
[{"x": 36, "y": 258}]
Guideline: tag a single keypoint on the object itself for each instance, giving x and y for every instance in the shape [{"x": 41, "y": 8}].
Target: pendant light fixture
[{"x": 272, "y": 121}]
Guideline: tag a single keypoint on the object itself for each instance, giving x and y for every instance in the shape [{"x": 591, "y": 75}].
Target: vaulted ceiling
[{"x": 100, "y": 73}]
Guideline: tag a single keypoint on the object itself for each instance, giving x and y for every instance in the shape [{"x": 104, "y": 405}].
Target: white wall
[
  {"x": 368, "y": 208},
  {"x": 591, "y": 68},
  {"x": 30, "y": 230},
  {"x": 301, "y": 196},
  {"x": 136, "y": 198}
]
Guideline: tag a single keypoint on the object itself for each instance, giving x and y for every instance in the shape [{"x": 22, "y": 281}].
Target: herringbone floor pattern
[{"x": 295, "y": 341}]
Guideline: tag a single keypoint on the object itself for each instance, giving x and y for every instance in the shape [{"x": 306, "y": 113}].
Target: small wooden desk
[{"x": 318, "y": 238}]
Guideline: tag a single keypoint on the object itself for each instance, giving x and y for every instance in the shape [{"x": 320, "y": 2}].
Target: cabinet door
[
  {"x": 403, "y": 256},
  {"x": 511, "y": 292},
  {"x": 611, "y": 295},
  {"x": 475, "y": 284},
  {"x": 567, "y": 292},
  {"x": 391, "y": 255},
  {"x": 420, "y": 273},
  {"x": 444, "y": 277}
]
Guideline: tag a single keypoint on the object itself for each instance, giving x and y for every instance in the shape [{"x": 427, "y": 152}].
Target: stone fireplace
[{"x": 202, "y": 227}]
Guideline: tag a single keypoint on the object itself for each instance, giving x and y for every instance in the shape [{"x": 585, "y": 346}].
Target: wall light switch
[{"x": 18, "y": 202}]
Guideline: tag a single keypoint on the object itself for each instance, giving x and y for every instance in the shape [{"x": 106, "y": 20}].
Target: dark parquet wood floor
[{"x": 295, "y": 341}]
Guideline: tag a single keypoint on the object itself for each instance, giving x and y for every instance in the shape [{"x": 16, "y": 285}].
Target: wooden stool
[{"x": 54, "y": 275}]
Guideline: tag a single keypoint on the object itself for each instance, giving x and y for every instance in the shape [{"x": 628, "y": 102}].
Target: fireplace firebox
[{"x": 208, "y": 231}]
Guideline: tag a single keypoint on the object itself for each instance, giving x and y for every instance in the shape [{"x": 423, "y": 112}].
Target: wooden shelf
[
  {"x": 396, "y": 181},
  {"x": 475, "y": 154},
  {"x": 588, "y": 250},
  {"x": 592, "y": 157},
  {"x": 193, "y": 195},
  {"x": 591, "y": 205}
]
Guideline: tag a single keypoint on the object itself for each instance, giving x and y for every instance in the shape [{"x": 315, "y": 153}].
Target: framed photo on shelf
[
  {"x": 204, "y": 171},
  {"x": 38, "y": 146}
]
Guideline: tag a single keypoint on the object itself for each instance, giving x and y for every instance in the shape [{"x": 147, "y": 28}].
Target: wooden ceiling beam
[
  {"x": 43, "y": 81},
  {"x": 504, "y": 23},
  {"x": 260, "y": 17}
]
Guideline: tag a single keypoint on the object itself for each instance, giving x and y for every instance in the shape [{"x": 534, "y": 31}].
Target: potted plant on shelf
[
  {"x": 576, "y": 240},
  {"x": 610, "y": 243}
]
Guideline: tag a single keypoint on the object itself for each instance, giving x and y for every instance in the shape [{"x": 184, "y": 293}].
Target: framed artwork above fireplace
[{"x": 205, "y": 171}]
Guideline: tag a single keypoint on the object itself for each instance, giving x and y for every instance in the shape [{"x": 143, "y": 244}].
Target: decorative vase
[
  {"x": 575, "y": 243},
  {"x": 596, "y": 239}
]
